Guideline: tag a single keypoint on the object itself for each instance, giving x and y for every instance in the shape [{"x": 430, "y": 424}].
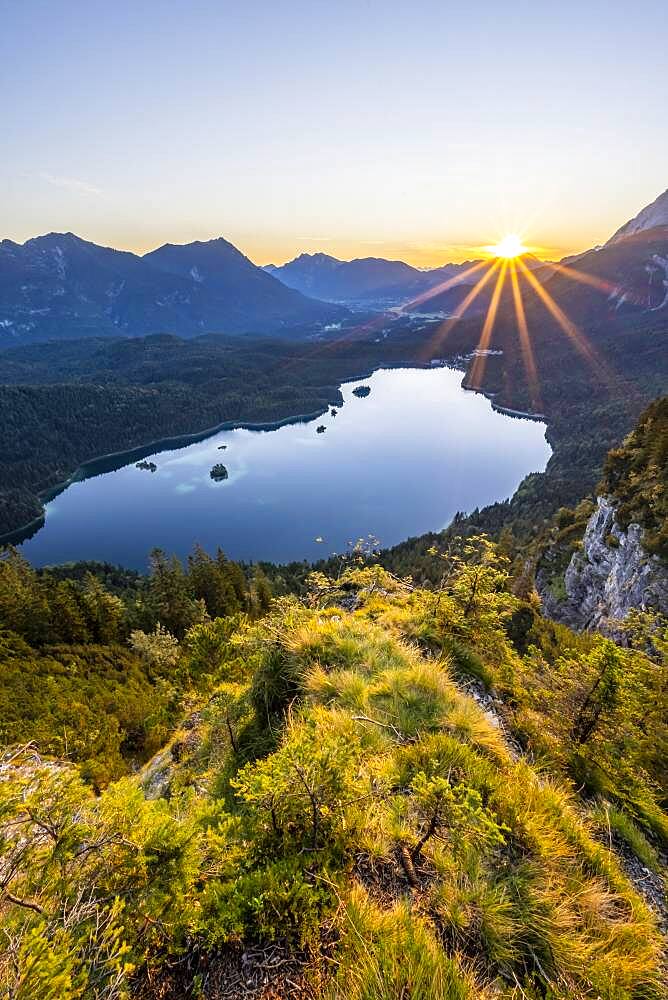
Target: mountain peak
[
  {"x": 214, "y": 257},
  {"x": 319, "y": 257},
  {"x": 217, "y": 243},
  {"x": 48, "y": 238},
  {"x": 59, "y": 285},
  {"x": 650, "y": 217}
]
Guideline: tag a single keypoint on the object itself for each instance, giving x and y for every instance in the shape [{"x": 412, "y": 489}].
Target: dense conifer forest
[{"x": 90, "y": 658}]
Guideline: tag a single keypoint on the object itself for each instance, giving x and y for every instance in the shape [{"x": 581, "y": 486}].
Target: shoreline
[
  {"x": 507, "y": 410},
  {"x": 111, "y": 461},
  {"x": 524, "y": 414},
  {"x": 118, "y": 459}
]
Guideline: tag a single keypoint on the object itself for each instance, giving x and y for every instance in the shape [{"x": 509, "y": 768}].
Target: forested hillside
[
  {"x": 581, "y": 569},
  {"x": 388, "y": 777},
  {"x": 90, "y": 669},
  {"x": 66, "y": 404},
  {"x": 347, "y": 811},
  {"x": 63, "y": 405},
  {"x": 395, "y": 768}
]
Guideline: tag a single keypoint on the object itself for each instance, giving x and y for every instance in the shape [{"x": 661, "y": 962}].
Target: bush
[{"x": 277, "y": 900}]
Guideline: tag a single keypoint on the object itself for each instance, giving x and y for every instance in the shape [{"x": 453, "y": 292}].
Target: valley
[
  {"x": 333, "y": 501},
  {"x": 66, "y": 403},
  {"x": 431, "y": 765},
  {"x": 414, "y": 426}
]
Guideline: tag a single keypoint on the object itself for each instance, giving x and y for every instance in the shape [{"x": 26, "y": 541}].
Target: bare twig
[{"x": 27, "y": 904}]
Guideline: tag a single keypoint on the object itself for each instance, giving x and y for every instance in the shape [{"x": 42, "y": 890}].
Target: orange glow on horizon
[
  {"x": 421, "y": 255},
  {"x": 423, "y": 251}
]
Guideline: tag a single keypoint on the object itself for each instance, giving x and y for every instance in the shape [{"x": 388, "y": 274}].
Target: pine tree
[
  {"x": 210, "y": 582},
  {"x": 169, "y": 600},
  {"x": 104, "y": 611},
  {"x": 261, "y": 592},
  {"x": 236, "y": 577}
]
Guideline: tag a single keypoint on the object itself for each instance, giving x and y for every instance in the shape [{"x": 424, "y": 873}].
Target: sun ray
[
  {"x": 458, "y": 279},
  {"x": 446, "y": 326},
  {"x": 585, "y": 279},
  {"x": 503, "y": 267},
  {"x": 569, "y": 328},
  {"x": 377, "y": 323},
  {"x": 525, "y": 340},
  {"x": 480, "y": 360}
]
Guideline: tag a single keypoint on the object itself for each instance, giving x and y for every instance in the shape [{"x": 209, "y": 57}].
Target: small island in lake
[
  {"x": 320, "y": 429},
  {"x": 361, "y": 391},
  {"x": 147, "y": 466},
  {"x": 219, "y": 473}
]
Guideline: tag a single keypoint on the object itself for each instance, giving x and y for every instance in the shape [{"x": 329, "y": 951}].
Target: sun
[{"x": 509, "y": 247}]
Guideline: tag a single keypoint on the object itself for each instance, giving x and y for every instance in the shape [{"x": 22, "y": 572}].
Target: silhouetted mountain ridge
[
  {"x": 59, "y": 286},
  {"x": 365, "y": 281}
]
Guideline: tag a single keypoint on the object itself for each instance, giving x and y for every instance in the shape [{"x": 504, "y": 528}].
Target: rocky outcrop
[
  {"x": 156, "y": 776},
  {"x": 609, "y": 576}
]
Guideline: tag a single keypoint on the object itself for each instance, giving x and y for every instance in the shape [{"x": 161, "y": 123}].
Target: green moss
[{"x": 557, "y": 587}]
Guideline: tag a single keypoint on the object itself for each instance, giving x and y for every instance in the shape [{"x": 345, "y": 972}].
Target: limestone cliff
[{"x": 607, "y": 577}]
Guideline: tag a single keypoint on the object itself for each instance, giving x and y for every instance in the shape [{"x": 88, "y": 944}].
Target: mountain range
[
  {"x": 61, "y": 287},
  {"x": 368, "y": 281},
  {"x": 636, "y": 273}
]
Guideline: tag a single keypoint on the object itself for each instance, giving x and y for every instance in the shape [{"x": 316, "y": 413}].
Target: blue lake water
[{"x": 397, "y": 463}]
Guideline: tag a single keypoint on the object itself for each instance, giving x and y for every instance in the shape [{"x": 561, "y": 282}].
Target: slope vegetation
[
  {"x": 636, "y": 476},
  {"x": 341, "y": 817}
]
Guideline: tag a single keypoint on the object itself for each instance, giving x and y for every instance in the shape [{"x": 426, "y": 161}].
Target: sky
[{"x": 413, "y": 130}]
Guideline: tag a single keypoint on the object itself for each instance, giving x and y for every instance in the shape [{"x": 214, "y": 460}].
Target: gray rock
[{"x": 611, "y": 575}]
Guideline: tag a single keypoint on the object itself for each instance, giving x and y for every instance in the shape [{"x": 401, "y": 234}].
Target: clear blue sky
[{"x": 418, "y": 130}]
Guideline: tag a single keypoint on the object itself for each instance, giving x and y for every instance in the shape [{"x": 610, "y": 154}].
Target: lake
[{"x": 395, "y": 463}]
